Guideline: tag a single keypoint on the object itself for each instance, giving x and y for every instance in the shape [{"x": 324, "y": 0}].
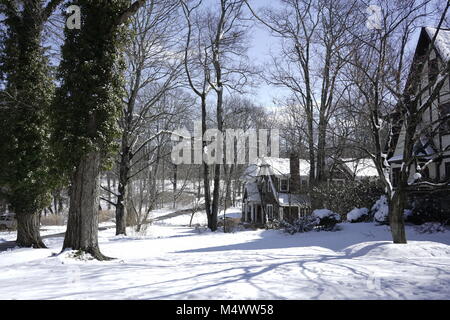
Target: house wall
[{"x": 430, "y": 121}]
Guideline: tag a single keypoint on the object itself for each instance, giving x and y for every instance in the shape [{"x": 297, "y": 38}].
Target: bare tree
[
  {"x": 313, "y": 35},
  {"x": 214, "y": 61},
  {"x": 152, "y": 67},
  {"x": 377, "y": 70}
]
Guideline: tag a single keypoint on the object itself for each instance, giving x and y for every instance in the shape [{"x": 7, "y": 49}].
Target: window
[
  {"x": 269, "y": 209},
  {"x": 444, "y": 110},
  {"x": 284, "y": 184},
  {"x": 304, "y": 183},
  {"x": 395, "y": 176}
]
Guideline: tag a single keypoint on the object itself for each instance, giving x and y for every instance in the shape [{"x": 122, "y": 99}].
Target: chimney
[{"x": 294, "y": 179}]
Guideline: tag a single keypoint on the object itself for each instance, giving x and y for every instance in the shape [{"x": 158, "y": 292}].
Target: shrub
[
  {"x": 429, "y": 208},
  {"x": 327, "y": 219},
  {"x": 303, "y": 224},
  {"x": 106, "y": 215},
  {"x": 430, "y": 227},
  {"x": 343, "y": 198},
  {"x": 230, "y": 224},
  {"x": 358, "y": 215},
  {"x": 380, "y": 211},
  {"x": 53, "y": 220}
]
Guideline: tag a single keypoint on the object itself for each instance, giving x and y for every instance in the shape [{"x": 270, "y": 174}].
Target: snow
[
  {"x": 324, "y": 213},
  {"x": 442, "y": 42},
  {"x": 361, "y": 167},
  {"x": 289, "y": 199},
  {"x": 381, "y": 210},
  {"x": 252, "y": 192},
  {"x": 357, "y": 213},
  {"x": 178, "y": 262},
  {"x": 273, "y": 166}
]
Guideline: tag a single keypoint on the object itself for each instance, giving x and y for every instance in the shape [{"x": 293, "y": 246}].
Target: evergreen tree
[
  {"x": 86, "y": 110},
  {"x": 25, "y": 97}
]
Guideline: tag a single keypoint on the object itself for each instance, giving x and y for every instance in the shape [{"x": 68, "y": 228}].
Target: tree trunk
[
  {"x": 108, "y": 181},
  {"x": 321, "y": 177},
  {"x": 28, "y": 230},
  {"x": 211, "y": 224},
  {"x": 124, "y": 168},
  {"x": 82, "y": 227},
  {"x": 174, "y": 185},
  {"x": 396, "y": 221}
]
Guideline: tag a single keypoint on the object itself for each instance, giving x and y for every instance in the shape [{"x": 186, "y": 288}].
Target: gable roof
[
  {"x": 281, "y": 167},
  {"x": 273, "y": 166},
  {"x": 442, "y": 43},
  {"x": 364, "y": 167}
]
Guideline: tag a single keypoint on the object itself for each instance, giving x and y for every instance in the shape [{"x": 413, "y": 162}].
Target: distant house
[
  {"x": 433, "y": 144},
  {"x": 277, "y": 188}
]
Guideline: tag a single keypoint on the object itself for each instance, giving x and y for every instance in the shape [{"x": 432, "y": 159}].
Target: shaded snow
[{"x": 174, "y": 262}]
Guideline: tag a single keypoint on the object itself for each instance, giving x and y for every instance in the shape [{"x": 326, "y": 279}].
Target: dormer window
[{"x": 284, "y": 185}]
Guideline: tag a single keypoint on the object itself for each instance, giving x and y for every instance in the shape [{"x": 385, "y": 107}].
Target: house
[
  {"x": 433, "y": 145},
  {"x": 277, "y": 188}
]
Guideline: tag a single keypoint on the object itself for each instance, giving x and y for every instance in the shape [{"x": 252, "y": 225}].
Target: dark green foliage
[
  {"x": 25, "y": 99},
  {"x": 328, "y": 223},
  {"x": 87, "y": 104},
  {"x": 352, "y": 194},
  {"x": 430, "y": 208}
]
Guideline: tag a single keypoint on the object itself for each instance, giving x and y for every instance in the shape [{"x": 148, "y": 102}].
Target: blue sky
[{"x": 263, "y": 44}]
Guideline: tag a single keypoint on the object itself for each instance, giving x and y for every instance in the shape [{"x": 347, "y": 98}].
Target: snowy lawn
[{"x": 178, "y": 262}]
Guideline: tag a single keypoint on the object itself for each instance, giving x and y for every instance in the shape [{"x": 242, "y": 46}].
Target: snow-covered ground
[{"x": 177, "y": 262}]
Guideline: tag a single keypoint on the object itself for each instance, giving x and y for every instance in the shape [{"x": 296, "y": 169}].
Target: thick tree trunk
[
  {"x": 396, "y": 220},
  {"x": 28, "y": 231},
  {"x": 82, "y": 227}
]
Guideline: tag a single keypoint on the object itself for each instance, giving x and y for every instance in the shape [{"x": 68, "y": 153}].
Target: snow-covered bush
[
  {"x": 303, "y": 224},
  {"x": 358, "y": 215},
  {"x": 327, "y": 219},
  {"x": 380, "y": 211},
  {"x": 431, "y": 227}
]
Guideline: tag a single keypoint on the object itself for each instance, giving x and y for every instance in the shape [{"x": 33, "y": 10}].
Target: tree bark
[
  {"x": 28, "y": 230},
  {"x": 396, "y": 222},
  {"x": 124, "y": 168},
  {"x": 82, "y": 227}
]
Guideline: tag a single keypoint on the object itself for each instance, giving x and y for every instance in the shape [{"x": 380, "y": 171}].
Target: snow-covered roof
[
  {"x": 252, "y": 192},
  {"x": 281, "y": 166},
  {"x": 442, "y": 43},
  {"x": 287, "y": 199},
  {"x": 361, "y": 167}
]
